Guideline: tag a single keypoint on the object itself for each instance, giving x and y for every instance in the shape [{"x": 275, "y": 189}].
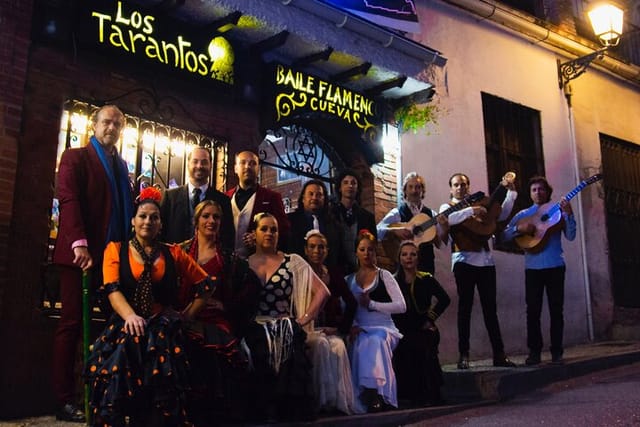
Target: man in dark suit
[
  {"x": 313, "y": 213},
  {"x": 248, "y": 199},
  {"x": 351, "y": 217},
  {"x": 178, "y": 203},
  {"x": 96, "y": 207}
]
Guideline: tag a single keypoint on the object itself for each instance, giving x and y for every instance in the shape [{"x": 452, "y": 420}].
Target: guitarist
[
  {"x": 473, "y": 268},
  {"x": 543, "y": 269},
  {"x": 413, "y": 190}
]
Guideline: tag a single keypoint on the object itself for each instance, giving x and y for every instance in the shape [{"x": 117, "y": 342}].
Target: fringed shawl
[{"x": 303, "y": 276}]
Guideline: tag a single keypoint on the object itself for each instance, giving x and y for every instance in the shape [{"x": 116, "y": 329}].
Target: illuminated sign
[
  {"x": 135, "y": 32},
  {"x": 296, "y": 90},
  {"x": 398, "y": 14}
]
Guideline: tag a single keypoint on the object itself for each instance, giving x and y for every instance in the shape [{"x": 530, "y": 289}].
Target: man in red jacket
[
  {"x": 96, "y": 207},
  {"x": 249, "y": 199}
]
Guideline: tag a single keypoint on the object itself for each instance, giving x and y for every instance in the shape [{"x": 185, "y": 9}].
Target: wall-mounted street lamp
[{"x": 606, "y": 21}]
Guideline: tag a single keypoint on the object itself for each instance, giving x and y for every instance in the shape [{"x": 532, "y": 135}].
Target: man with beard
[
  {"x": 544, "y": 269},
  {"x": 313, "y": 213},
  {"x": 413, "y": 191},
  {"x": 248, "y": 199},
  {"x": 178, "y": 203},
  {"x": 96, "y": 207}
]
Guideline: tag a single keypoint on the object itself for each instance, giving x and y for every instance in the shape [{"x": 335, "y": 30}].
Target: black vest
[
  {"x": 426, "y": 257},
  {"x": 165, "y": 292}
]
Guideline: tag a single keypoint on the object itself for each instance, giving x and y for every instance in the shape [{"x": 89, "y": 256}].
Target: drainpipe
[{"x": 583, "y": 243}]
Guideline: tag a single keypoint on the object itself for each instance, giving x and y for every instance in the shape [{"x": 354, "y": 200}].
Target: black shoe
[
  {"x": 71, "y": 413},
  {"x": 376, "y": 405},
  {"x": 463, "y": 362},
  {"x": 503, "y": 362},
  {"x": 557, "y": 359},
  {"x": 533, "y": 359}
]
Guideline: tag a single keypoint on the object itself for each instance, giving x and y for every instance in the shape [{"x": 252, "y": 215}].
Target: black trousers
[
  {"x": 536, "y": 281},
  {"x": 467, "y": 278}
]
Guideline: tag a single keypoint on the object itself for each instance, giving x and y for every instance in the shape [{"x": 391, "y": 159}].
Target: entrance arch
[{"x": 292, "y": 155}]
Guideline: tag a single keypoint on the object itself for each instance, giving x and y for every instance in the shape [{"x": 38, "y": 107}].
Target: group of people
[
  {"x": 223, "y": 302},
  {"x": 467, "y": 222}
]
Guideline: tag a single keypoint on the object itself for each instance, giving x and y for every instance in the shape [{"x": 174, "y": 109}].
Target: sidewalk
[{"x": 481, "y": 385}]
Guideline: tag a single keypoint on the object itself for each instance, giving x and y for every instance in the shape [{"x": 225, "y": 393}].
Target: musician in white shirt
[
  {"x": 413, "y": 191},
  {"x": 474, "y": 266}
]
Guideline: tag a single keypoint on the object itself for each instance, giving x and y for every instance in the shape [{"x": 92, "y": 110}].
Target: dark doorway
[{"x": 621, "y": 168}]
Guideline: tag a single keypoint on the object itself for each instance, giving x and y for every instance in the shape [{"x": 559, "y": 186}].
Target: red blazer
[
  {"x": 85, "y": 204},
  {"x": 269, "y": 201}
]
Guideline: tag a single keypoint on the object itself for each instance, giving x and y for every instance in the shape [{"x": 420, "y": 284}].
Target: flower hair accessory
[
  {"x": 257, "y": 217},
  {"x": 313, "y": 232},
  {"x": 149, "y": 193},
  {"x": 367, "y": 234}
]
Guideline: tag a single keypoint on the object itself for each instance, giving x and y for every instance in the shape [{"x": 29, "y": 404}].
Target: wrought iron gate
[{"x": 621, "y": 167}]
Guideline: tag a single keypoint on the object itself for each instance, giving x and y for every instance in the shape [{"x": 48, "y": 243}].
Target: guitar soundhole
[{"x": 544, "y": 217}]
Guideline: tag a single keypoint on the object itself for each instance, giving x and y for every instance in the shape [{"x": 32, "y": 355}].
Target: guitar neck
[
  {"x": 573, "y": 193},
  {"x": 462, "y": 204}
]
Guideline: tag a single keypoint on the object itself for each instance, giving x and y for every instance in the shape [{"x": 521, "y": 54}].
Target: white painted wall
[{"x": 484, "y": 57}]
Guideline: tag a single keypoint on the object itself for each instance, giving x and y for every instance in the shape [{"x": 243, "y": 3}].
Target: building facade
[
  {"x": 493, "y": 74},
  {"x": 501, "y": 108}
]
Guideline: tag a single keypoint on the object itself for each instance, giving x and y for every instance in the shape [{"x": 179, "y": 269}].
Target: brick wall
[
  {"x": 561, "y": 13},
  {"x": 15, "y": 19},
  {"x": 385, "y": 197},
  {"x": 15, "y": 26}
]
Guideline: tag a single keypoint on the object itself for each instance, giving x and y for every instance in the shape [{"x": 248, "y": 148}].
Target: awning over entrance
[{"x": 318, "y": 39}]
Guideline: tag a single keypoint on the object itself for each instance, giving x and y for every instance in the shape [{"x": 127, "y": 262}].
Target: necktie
[
  {"x": 196, "y": 197},
  {"x": 316, "y": 223}
]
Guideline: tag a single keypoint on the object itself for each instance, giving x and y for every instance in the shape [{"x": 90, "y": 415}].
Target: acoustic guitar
[
  {"x": 547, "y": 220},
  {"x": 422, "y": 226},
  {"x": 474, "y": 233}
]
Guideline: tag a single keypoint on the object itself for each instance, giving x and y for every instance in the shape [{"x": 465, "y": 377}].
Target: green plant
[{"x": 415, "y": 117}]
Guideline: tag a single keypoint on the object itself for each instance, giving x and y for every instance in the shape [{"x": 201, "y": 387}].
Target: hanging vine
[{"x": 415, "y": 117}]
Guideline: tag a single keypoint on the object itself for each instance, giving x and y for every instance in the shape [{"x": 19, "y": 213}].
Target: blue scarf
[{"x": 117, "y": 232}]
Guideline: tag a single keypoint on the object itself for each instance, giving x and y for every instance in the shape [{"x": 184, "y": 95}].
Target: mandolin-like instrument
[
  {"x": 474, "y": 232},
  {"x": 547, "y": 220}
]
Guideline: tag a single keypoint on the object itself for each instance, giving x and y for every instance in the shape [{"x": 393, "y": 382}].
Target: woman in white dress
[
  {"x": 331, "y": 372},
  {"x": 374, "y": 335}
]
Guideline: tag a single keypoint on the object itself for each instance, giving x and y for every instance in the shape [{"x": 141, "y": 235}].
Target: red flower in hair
[
  {"x": 366, "y": 233},
  {"x": 150, "y": 193}
]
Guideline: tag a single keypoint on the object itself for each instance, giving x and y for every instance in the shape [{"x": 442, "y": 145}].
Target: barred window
[{"x": 513, "y": 142}]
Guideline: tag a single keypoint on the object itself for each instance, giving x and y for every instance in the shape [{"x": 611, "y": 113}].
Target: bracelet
[{"x": 305, "y": 315}]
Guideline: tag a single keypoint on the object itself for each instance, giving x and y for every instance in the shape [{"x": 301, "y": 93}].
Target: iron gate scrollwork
[{"x": 297, "y": 149}]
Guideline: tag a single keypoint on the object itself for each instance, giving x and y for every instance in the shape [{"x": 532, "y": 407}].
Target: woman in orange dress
[{"x": 138, "y": 367}]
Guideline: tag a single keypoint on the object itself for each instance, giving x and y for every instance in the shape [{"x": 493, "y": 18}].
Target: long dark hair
[{"x": 325, "y": 207}]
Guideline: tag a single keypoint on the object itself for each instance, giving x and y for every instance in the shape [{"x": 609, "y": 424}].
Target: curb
[{"x": 495, "y": 384}]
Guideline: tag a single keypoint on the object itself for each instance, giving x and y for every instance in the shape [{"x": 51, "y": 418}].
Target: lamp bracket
[{"x": 569, "y": 70}]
